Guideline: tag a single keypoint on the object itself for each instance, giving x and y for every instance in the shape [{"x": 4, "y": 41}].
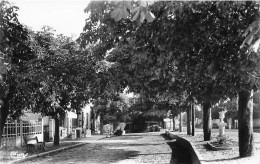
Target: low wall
[{"x": 186, "y": 145}]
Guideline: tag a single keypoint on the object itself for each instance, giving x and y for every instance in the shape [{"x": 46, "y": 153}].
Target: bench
[{"x": 32, "y": 142}]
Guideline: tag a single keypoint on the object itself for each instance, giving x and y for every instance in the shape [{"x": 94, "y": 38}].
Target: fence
[{"x": 14, "y": 132}]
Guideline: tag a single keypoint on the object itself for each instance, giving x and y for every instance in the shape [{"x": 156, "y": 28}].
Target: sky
[{"x": 65, "y": 16}]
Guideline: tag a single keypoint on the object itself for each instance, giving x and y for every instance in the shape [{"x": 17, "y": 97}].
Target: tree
[
  {"x": 61, "y": 76},
  {"x": 112, "y": 109},
  {"x": 140, "y": 11},
  {"x": 14, "y": 53},
  {"x": 204, "y": 59}
]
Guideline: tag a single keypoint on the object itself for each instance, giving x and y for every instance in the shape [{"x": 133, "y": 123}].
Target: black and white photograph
[{"x": 129, "y": 82}]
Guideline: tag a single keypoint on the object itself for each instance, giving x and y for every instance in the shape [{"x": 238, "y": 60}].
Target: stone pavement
[{"x": 130, "y": 148}]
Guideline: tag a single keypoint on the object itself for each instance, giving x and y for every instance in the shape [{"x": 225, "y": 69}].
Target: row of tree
[
  {"x": 49, "y": 74},
  {"x": 173, "y": 54},
  {"x": 178, "y": 53}
]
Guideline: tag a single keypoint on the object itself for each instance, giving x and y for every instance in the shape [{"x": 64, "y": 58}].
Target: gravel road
[{"x": 131, "y": 148}]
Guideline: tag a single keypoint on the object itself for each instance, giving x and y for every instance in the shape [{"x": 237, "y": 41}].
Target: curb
[
  {"x": 195, "y": 156},
  {"x": 46, "y": 153},
  {"x": 200, "y": 158}
]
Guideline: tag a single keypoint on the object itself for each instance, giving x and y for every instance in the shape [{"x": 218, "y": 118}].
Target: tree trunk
[
  {"x": 78, "y": 115},
  {"x": 207, "y": 121},
  {"x": 173, "y": 124},
  {"x": 3, "y": 118},
  {"x": 57, "y": 132},
  {"x": 188, "y": 122},
  {"x": 180, "y": 123},
  {"x": 245, "y": 124},
  {"x": 163, "y": 125},
  {"x": 192, "y": 119},
  {"x": 4, "y": 109},
  {"x": 94, "y": 121},
  {"x": 101, "y": 124}
]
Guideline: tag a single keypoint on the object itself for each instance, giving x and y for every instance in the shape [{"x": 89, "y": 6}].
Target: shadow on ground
[
  {"x": 5, "y": 152},
  {"x": 179, "y": 154},
  {"x": 128, "y": 137},
  {"x": 104, "y": 156}
]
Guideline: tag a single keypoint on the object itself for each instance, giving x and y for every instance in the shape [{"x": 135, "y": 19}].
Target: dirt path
[{"x": 131, "y": 148}]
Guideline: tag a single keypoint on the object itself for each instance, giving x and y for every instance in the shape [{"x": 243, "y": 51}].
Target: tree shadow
[
  {"x": 105, "y": 156},
  {"x": 145, "y": 144},
  {"x": 132, "y": 135},
  {"x": 180, "y": 154},
  {"x": 126, "y": 137}
]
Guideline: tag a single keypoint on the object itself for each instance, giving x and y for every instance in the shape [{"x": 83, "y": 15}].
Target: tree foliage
[
  {"x": 162, "y": 55},
  {"x": 14, "y": 54},
  {"x": 226, "y": 105},
  {"x": 165, "y": 56},
  {"x": 61, "y": 78},
  {"x": 190, "y": 50}
]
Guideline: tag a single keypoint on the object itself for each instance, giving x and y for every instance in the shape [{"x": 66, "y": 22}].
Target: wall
[{"x": 256, "y": 123}]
